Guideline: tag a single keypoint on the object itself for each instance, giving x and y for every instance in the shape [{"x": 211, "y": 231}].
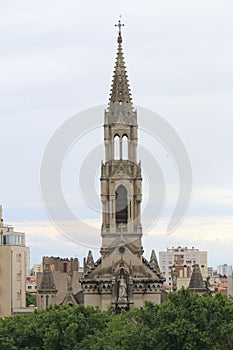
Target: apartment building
[
  {"x": 12, "y": 270},
  {"x": 184, "y": 258}
]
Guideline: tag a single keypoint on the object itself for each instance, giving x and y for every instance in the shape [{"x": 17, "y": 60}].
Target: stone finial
[{"x": 69, "y": 282}]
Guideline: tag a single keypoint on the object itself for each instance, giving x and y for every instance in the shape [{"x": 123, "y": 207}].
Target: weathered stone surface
[{"x": 196, "y": 281}]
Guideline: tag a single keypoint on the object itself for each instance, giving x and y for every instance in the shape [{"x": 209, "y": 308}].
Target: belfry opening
[{"x": 121, "y": 206}]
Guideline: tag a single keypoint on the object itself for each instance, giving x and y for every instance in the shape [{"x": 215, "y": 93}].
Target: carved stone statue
[
  {"x": 122, "y": 290},
  {"x": 69, "y": 282}
]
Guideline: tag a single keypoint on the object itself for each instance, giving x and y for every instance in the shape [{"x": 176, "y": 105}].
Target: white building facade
[
  {"x": 224, "y": 270},
  {"x": 183, "y": 257}
]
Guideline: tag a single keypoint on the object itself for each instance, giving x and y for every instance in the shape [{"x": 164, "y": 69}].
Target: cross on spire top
[{"x": 119, "y": 25}]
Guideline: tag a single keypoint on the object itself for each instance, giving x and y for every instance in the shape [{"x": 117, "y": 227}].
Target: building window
[{"x": 64, "y": 267}]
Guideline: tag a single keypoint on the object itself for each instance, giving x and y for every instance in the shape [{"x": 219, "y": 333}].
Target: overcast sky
[{"x": 57, "y": 59}]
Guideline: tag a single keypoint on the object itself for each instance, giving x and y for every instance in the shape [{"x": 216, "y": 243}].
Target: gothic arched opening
[
  {"x": 125, "y": 147},
  {"x": 121, "y": 205},
  {"x": 116, "y": 147}
]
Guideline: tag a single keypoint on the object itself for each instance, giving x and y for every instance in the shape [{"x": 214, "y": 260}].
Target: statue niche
[
  {"x": 122, "y": 290},
  {"x": 122, "y": 294}
]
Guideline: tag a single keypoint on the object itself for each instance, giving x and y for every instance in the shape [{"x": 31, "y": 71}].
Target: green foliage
[
  {"x": 186, "y": 321},
  {"x": 30, "y": 299}
]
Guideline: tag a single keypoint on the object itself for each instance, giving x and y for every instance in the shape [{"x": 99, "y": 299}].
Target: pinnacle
[
  {"x": 154, "y": 262},
  {"x": 153, "y": 256},
  {"x": 90, "y": 259}
]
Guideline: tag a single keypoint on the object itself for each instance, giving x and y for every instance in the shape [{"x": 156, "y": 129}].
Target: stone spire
[
  {"x": 120, "y": 91},
  {"x": 196, "y": 281}
]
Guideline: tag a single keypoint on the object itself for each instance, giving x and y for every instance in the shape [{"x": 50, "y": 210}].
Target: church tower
[
  {"x": 121, "y": 181},
  {"x": 122, "y": 277}
]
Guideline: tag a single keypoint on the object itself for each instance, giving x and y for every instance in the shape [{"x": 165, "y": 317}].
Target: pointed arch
[
  {"x": 116, "y": 143},
  {"x": 121, "y": 205},
  {"x": 125, "y": 147}
]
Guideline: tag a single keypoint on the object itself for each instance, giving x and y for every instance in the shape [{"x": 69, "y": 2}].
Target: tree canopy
[
  {"x": 30, "y": 299},
  {"x": 185, "y": 321}
]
